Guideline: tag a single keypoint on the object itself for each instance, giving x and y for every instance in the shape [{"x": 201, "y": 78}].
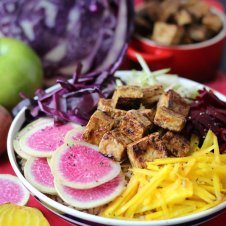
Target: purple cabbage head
[{"x": 65, "y": 32}]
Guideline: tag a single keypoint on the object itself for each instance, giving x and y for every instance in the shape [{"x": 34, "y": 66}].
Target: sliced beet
[
  {"x": 81, "y": 166},
  {"x": 37, "y": 171},
  {"x": 42, "y": 139},
  {"x": 12, "y": 190},
  {"x": 93, "y": 197}
]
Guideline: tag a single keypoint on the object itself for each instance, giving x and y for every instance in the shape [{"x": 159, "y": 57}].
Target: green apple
[{"x": 20, "y": 71}]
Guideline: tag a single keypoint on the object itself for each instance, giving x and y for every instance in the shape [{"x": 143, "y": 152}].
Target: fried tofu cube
[
  {"x": 113, "y": 144},
  {"x": 212, "y": 22},
  {"x": 167, "y": 34},
  {"x": 199, "y": 9},
  {"x": 135, "y": 125},
  {"x": 168, "y": 8},
  {"x": 148, "y": 113},
  {"x": 127, "y": 97},
  {"x": 99, "y": 124},
  {"x": 168, "y": 119},
  {"x": 145, "y": 150},
  {"x": 151, "y": 95},
  {"x": 176, "y": 144},
  {"x": 117, "y": 115},
  {"x": 174, "y": 102},
  {"x": 104, "y": 105},
  {"x": 171, "y": 112},
  {"x": 183, "y": 17},
  {"x": 198, "y": 33}
]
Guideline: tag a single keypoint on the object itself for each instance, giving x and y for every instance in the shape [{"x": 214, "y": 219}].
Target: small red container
[{"x": 198, "y": 62}]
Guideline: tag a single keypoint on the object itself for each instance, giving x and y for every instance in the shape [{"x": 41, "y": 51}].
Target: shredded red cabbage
[
  {"x": 71, "y": 101},
  {"x": 208, "y": 112}
]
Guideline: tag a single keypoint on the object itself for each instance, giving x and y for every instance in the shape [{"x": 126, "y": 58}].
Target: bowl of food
[
  {"x": 153, "y": 153},
  {"x": 178, "y": 35}
]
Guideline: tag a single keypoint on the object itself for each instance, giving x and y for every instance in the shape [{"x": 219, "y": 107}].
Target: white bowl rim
[
  {"x": 93, "y": 218},
  {"x": 220, "y": 36}
]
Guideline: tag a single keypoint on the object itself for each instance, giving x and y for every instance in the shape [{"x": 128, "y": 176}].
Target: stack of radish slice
[{"x": 59, "y": 162}]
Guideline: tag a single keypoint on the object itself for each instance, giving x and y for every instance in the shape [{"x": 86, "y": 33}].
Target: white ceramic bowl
[{"x": 82, "y": 218}]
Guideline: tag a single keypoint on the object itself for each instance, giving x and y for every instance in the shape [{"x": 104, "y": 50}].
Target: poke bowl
[{"x": 91, "y": 216}]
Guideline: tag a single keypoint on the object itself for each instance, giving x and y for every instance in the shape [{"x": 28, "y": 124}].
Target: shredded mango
[{"x": 174, "y": 187}]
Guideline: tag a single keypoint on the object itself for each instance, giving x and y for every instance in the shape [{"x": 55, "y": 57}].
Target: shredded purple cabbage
[
  {"x": 71, "y": 101},
  {"x": 65, "y": 32}
]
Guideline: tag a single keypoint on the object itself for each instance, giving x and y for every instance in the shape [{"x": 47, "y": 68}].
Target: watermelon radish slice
[
  {"x": 49, "y": 162},
  {"x": 93, "y": 197},
  {"x": 12, "y": 190},
  {"x": 16, "y": 141},
  {"x": 37, "y": 171},
  {"x": 81, "y": 166},
  {"x": 42, "y": 139},
  {"x": 74, "y": 135}
]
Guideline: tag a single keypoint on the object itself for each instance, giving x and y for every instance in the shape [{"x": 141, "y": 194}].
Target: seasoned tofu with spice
[
  {"x": 173, "y": 101},
  {"x": 167, "y": 34},
  {"x": 168, "y": 119},
  {"x": 151, "y": 95},
  {"x": 176, "y": 144},
  {"x": 127, "y": 97},
  {"x": 171, "y": 112},
  {"x": 145, "y": 150},
  {"x": 105, "y": 105},
  {"x": 199, "y": 9},
  {"x": 99, "y": 124},
  {"x": 212, "y": 22},
  {"x": 148, "y": 113},
  {"x": 182, "y": 17},
  {"x": 113, "y": 144},
  {"x": 135, "y": 125}
]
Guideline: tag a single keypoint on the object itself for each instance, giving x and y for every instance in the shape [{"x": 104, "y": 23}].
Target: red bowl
[{"x": 198, "y": 62}]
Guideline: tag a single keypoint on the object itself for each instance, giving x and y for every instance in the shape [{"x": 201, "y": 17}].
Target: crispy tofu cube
[
  {"x": 174, "y": 102},
  {"x": 135, "y": 125},
  {"x": 105, "y": 105},
  {"x": 168, "y": 8},
  {"x": 127, "y": 97},
  {"x": 198, "y": 33},
  {"x": 212, "y": 22},
  {"x": 145, "y": 150},
  {"x": 117, "y": 115},
  {"x": 99, "y": 124},
  {"x": 199, "y": 9},
  {"x": 176, "y": 144},
  {"x": 169, "y": 119},
  {"x": 148, "y": 113},
  {"x": 167, "y": 34},
  {"x": 113, "y": 144},
  {"x": 151, "y": 95},
  {"x": 183, "y": 17}
]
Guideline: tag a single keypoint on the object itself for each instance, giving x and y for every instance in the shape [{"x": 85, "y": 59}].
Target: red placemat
[{"x": 5, "y": 167}]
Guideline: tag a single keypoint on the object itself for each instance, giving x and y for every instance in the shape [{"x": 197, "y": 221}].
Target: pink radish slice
[
  {"x": 16, "y": 141},
  {"x": 82, "y": 166},
  {"x": 37, "y": 171},
  {"x": 74, "y": 135},
  {"x": 93, "y": 197},
  {"x": 12, "y": 190},
  {"x": 42, "y": 140}
]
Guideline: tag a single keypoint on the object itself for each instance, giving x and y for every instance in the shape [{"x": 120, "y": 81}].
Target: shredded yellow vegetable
[{"x": 174, "y": 187}]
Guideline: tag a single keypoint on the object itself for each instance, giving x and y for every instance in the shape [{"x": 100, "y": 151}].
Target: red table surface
[{"x": 5, "y": 168}]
